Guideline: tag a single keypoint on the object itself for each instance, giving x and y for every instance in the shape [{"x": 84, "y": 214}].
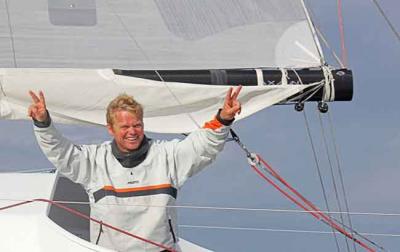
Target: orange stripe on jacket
[
  {"x": 213, "y": 124},
  {"x": 136, "y": 189}
]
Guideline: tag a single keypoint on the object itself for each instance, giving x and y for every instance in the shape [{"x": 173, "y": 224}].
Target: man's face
[{"x": 127, "y": 130}]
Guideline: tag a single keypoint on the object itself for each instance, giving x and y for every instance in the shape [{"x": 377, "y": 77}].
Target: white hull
[{"x": 43, "y": 227}]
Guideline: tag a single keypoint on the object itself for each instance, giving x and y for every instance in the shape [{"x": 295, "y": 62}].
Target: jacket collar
[{"x": 132, "y": 158}]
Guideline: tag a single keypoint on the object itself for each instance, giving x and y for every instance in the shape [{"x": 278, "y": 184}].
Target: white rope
[
  {"x": 329, "y": 88},
  {"x": 272, "y": 210},
  {"x": 279, "y": 230},
  {"x": 309, "y": 93},
  {"x": 260, "y": 77},
  {"x": 284, "y": 79}
]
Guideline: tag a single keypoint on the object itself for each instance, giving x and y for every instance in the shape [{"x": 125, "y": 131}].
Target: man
[{"x": 131, "y": 180}]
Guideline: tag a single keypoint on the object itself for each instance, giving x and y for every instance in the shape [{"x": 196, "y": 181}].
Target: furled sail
[{"x": 82, "y": 95}]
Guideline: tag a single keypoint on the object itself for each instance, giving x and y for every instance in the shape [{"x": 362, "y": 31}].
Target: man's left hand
[{"x": 232, "y": 106}]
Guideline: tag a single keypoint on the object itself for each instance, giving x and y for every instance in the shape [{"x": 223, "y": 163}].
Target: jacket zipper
[{"x": 171, "y": 230}]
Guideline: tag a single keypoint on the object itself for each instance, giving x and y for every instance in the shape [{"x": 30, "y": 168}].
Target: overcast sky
[{"x": 367, "y": 133}]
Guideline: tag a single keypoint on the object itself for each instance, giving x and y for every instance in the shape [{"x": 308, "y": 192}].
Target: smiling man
[{"x": 132, "y": 180}]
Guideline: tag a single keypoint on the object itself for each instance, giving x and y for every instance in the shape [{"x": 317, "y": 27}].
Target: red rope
[
  {"x": 341, "y": 30},
  {"x": 305, "y": 204},
  {"x": 77, "y": 213}
]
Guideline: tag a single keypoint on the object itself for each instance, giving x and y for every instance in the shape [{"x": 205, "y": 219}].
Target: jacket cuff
[
  {"x": 44, "y": 124},
  {"x": 223, "y": 121}
]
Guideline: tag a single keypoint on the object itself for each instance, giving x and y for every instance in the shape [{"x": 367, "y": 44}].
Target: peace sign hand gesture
[
  {"x": 37, "y": 110},
  {"x": 232, "y": 106}
]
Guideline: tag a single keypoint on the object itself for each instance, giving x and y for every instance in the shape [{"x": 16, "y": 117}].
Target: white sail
[
  {"x": 45, "y": 45},
  {"x": 159, "y": 34}
]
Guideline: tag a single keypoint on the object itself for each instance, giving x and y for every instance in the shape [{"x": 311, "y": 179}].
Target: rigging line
[
  {"x": 11, "y": 33},
  {"x": 48, "y": 170},
  {"x": 341, "y": 31},
  {"x": 131, "y": 37},
  {"x": 313, "y": 90},
  {"x": 325, "y": 41},
  {"x": 3, "y": 93},
  {"x": 353, "y": 231},
  {"x": 89, "y": 218},
  {"x": 319, "y": 173},
  {"x": 177, "y": 100},
  {"x": 305, "y": 204},
  {"x": 312, "y": 28},
  {"x": 331, "y": 171},
  {"x": 396, "y": 33},
  {"x": 308, "y": 93},
  {"x": 280, "y": 230},
  {"x": 341, "y": 177},
  {"x": 335, "y": 56},
  {"x": 151, "y": 63},
  {"x": 223, "y": 208}
]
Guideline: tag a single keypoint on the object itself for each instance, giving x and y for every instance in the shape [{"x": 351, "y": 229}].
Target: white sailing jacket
[{"x": 134, "y": 199}]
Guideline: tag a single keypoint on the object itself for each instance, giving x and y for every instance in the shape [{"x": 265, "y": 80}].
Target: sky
[{"x": 367, "y": 133}]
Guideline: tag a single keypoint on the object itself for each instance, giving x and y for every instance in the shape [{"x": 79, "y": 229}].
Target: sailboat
[{"x": 176, "y": 57}]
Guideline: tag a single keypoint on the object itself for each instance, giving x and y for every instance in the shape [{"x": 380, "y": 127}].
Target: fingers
[
  {"x": 236, "y": 92},
  {"x": 228, "y": 95},
  {"x": 32, "y": 110},
  {"x": 232, "y": 106},
  {"x": 42, "y": 99},
  {"x": 35, "y": 99},
  {"x": 232, "y": 95}
]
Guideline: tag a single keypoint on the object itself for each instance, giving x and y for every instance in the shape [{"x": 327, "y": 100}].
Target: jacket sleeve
[
  {"x": 198, "y": 150},
  {"x": 70, "y": 160}
]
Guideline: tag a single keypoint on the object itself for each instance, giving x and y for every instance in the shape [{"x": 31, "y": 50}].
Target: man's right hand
[{"x": 37, "y": 110}]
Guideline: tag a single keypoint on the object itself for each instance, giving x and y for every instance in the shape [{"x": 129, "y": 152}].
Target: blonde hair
[{"x": 123, "y": 102}]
